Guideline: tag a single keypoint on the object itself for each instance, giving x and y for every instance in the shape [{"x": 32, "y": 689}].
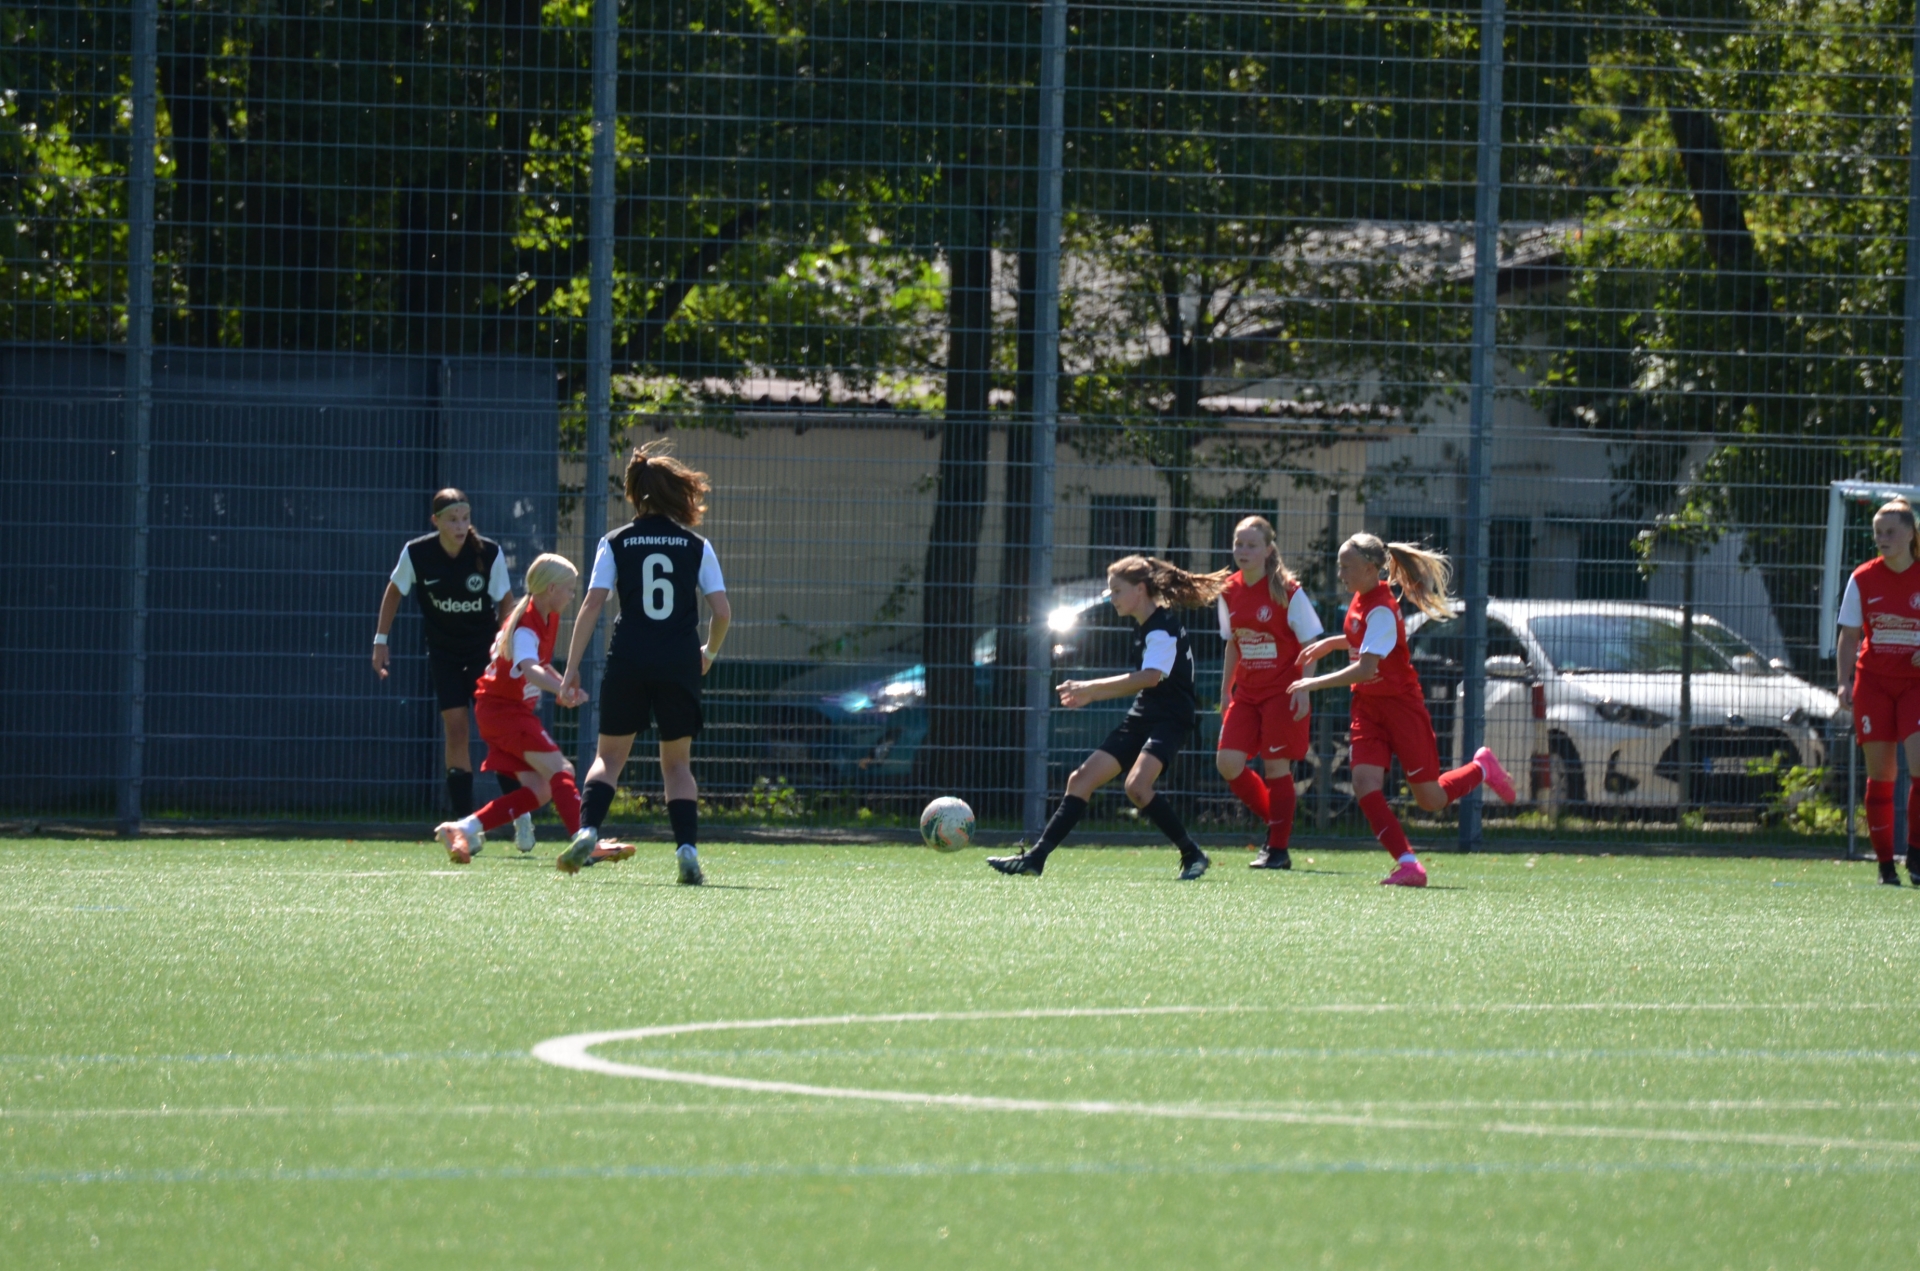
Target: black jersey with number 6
[{"x": 657, "y": 567}]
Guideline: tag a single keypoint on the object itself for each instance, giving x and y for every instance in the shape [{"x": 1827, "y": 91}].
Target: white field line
[
  {"x": 574, "y": 1052},
  {"x": 1359, "y": 1108}
]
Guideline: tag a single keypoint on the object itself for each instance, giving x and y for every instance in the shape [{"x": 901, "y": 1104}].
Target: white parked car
[{"x": 1607, "y": 678}]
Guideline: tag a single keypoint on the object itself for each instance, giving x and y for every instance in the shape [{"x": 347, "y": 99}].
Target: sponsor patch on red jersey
[{"x": 1890, "y": 619}]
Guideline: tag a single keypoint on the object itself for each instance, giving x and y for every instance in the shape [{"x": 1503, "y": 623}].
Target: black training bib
[{"x": 458, "y": 613}]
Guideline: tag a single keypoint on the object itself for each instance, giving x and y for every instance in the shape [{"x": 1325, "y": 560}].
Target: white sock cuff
[{"x": 470, "y": 825}]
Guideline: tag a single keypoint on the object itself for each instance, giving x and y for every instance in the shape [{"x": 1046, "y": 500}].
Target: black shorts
[
  {"x": 454, "y": 675},
  {"x": 1160, "y": 737},
  {"x": 630, "y": 700}
]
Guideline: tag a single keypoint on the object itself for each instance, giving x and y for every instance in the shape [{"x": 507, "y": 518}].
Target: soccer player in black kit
[
  {"x": 655, "y": 659},
  {"x": 1162, "y": 717},
  {"x": 465, "y": 594}
]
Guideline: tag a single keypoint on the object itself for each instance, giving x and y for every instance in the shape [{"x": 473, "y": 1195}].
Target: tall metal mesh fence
[{"x": 1615, "y": 383}]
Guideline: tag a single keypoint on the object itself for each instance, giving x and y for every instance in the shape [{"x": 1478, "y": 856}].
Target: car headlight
[{"x": 1638, "y": 716}]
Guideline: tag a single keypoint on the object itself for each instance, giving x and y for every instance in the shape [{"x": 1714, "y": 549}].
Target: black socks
[
  {"x": 685, "y": 815},
  {"x": 594, "y": 802},
  {"x": 508, "y": 782},
  {"x": 1065, "y": 817},
  {"x": 1161, "y": 813},
  {"x": 460, "y": 792}
]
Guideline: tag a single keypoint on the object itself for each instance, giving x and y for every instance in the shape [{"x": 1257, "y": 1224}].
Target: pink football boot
[
  {"x": 1497, "y": 779},
  {"x": 1409, "y": 874}
]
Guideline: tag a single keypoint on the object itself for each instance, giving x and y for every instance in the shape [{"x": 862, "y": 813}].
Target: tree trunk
[{"x": 953, "y": 543}]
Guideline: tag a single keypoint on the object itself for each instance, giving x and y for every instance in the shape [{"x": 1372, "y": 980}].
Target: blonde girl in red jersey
[
  {"x": 1389, "y": 707},
  {"x": 504, "y": 702},
  {"x": 1266, "y": 618},
  {"x": 1880, "y": 642}
]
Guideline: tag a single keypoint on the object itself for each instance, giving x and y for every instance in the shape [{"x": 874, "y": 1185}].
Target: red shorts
[
  {"x": 1264, "y": 728},
  {"x": 512, "y": 731},
  {"x": 1385, "y": 727},
  {"x": 1885, "y": 708}
]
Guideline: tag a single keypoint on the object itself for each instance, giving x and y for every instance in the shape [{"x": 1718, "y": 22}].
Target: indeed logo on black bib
[{"x": 476, "y": 605}]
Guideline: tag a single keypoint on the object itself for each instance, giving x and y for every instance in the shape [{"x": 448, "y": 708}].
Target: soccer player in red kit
[
  {"x": 1389, "y": 707},
  {"x": 1266, "y": 618},
  {"x": 504, "y": 699},
  {"x": 1880, "y": 641}
]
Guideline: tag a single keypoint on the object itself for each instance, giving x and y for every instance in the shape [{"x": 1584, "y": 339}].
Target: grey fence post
[
  {"x": 1486, "y": 297},
  {"x": 139, "y": 400},
  {"x": 593, "y": 502},
  {"x": 1910, "y": 363},
  {"x": 1046, "y": 404}
]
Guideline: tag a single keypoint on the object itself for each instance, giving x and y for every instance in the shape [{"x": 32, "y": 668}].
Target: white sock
[
  {"x": 1409, "y": 859},
  {"x": 470, "y": 826}
]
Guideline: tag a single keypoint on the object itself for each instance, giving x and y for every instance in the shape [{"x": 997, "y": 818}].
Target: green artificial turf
[{"x": 286, "y": 1055}]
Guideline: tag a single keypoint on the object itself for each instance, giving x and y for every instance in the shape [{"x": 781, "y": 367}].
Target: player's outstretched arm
[
  {"x": 1358, "y": 671},
  {"x": 583, "y": 624},
  {"x": 1077, "y": 693},
  {"x": 1319, "y": 649},
  {"x": 716, "y": 628},
  {"x": 383, "y": 626},
  {"x": 1845, "y": 650}
]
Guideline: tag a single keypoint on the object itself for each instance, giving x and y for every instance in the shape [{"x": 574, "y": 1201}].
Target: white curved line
[{"x": 574, "y": 1052}]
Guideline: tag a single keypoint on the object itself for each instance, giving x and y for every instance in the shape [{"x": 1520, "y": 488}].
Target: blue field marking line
[{"x": 925, "y": 1169}]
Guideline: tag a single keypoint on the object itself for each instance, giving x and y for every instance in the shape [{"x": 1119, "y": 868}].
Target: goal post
[{"x": 1841, "y": 494}]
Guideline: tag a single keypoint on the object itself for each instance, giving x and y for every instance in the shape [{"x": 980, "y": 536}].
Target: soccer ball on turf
[{"x": 947, "y": 825}]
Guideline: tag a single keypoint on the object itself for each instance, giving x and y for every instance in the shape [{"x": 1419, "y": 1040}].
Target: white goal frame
[{"x": 1839, "y": 494}]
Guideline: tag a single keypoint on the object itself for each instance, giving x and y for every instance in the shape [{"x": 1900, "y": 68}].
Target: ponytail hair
[
  {"x": 1903, "y": 510},
  {"x": 1422, "y": 574},
  {"x": 546, "y": 570},
  {"x": 1169, "y": 584},
  {"x": 658, "y": 484},
  {"x": 1279, "y": 577}
]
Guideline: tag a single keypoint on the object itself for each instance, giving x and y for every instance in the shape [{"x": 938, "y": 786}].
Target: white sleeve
[
  {"x": 603, "y": 567},
  {"x": 1383, "y": 633},
  {"x": 710, "y": 579},
  {"x": 1301, "y": 619},
  {"x": 1226, "y": 625},
  {"x": 1850, "y": 615},
  {"x": 500, "y": 586},
  {"x": 402, "y": 576},
  {"x": 1159, "y": 653},
  {"x": 525, "y": 645}
]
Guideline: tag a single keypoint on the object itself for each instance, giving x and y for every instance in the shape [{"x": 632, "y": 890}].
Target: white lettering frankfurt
[{"x": 645, "y": 540}]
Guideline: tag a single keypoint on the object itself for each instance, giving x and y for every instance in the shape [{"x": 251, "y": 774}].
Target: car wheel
[{"x": 1569, "y": 775}]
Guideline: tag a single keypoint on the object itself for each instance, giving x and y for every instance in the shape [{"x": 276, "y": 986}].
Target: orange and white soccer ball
[{"x": 947, "y": 825}]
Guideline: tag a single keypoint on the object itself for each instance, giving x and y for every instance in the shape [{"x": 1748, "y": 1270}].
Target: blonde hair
[
  {"x": 1904, "y": 510},
  {"x": 1279, "y": 577},
  {"x": 658, "y": 483},
  {"x": 1169, "y": 584},
  {"x": 546, "y": 570},
  {"x": 1422, "y": 574}
]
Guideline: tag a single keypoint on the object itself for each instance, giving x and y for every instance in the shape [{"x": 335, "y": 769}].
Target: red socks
[
  {"x": 1880, "y": 817},
  {"x": 1386, "y": 826},
  {"x": 1281, "y": 798},
  {"x": 1252, "y": 791},
  {"x": 566, "y": 801},
  {"x": 1461, "y": 781},
  {"x": 505, "y": 808}
]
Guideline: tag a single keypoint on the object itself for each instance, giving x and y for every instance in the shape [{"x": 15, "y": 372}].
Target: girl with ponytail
[
  {"x": 1141, "y": 588},
  {"x": 504, "y": 702},
  {"x": 1266, "y": 618},
  {"x": 1877, "y": 661},
  {"x": 1389, "y": 706}
]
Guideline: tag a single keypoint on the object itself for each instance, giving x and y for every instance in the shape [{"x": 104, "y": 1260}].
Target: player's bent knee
[{"x": 1230, "y": 767}]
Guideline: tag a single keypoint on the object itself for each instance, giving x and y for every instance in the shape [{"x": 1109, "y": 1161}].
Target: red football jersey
[
  {"x": 500, "y": 683},
  {"x": 1266, "y": 642},
  {"x": 1397, "y": 678},
  {"x": 1890, "y": 617}
]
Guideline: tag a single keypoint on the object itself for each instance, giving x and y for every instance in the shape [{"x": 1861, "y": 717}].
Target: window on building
[
  {"x": 1608, "y": 569},
  {"x": 1432, "y": 531},
  {"x": 1510, "y": 557},
  {"x": 1122, "y": 525}
]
